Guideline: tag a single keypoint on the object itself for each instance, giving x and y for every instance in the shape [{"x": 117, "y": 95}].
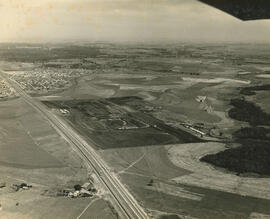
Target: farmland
[{"x": 185, "y": 128}]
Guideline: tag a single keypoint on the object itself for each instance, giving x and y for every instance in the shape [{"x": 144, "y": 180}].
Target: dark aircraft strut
[{"x": 243, "y": 9}]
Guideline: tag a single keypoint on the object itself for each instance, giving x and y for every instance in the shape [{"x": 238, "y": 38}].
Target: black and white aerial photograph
[{"x": 135, "y": 109}]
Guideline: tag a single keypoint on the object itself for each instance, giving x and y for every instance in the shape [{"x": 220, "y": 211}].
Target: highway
[{"x": 123, "y": 201}]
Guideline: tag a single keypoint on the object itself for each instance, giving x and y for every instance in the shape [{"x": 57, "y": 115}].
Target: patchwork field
[{"x": 184, "y": 127}]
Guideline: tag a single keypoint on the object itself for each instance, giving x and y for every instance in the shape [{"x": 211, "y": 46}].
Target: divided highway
[{"x": 125, "y": 203}]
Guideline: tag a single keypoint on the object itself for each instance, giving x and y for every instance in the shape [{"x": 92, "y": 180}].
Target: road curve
[{"x": 124, "y": 202}]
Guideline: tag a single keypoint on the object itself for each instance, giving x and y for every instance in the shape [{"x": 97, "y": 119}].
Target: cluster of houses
[
  {"x": 5, "y": 90},
  {"x": 44, "y": 80},
  {"x": 22, "y": 186},
  {"x": 85, "y": 190}
]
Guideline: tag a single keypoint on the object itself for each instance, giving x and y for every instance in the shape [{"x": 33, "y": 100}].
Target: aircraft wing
[{"x": 243, "y": 9}]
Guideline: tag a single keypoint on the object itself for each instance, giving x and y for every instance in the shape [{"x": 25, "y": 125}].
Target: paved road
[{"x": 124, "y": 202}]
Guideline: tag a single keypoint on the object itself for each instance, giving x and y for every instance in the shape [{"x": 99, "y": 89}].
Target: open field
[
  {"x": 20, "y": 148},
  {"x": 182, "y": 188},
  {"x": 188, "y": 157}
]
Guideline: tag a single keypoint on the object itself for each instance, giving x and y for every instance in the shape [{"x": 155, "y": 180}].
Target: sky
[{"x": 124, "y": 21}]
